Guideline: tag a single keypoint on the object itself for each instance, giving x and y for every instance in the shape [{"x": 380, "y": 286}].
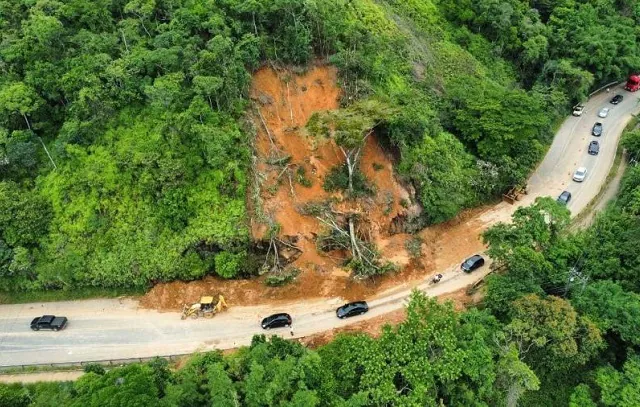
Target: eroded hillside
[{"x": 287, "y": 200}]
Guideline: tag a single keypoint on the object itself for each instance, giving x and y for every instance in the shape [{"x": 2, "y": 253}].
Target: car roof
[
  {"x": 473, "y": 258},
  {"x": 278, "y": 315},
  {"x": 355, "y": 303},
  {"x": 47, "y": 318},
  {"x": 581, "y": 169},
  {"x": 565, "y": 193}
]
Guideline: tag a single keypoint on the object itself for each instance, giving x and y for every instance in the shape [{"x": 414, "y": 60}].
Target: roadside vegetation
[{"x": 557, "y": 327}]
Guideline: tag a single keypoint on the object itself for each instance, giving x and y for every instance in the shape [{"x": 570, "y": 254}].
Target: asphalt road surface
[
  {"x": 569, "y": 150},
  {"x": 118, "y": 329}
]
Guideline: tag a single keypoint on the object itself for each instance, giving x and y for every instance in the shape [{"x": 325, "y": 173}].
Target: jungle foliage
[{"x": 124, "y": 148}]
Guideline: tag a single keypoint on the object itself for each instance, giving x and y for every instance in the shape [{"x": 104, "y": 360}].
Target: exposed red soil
[{"x": 285, "y": 102}]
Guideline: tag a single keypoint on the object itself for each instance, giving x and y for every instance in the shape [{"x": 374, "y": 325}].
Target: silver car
[
  {"x": 580, "y": 174},
  {"x": 577, "y": 110},
  {"x": 603, "y": 112}
]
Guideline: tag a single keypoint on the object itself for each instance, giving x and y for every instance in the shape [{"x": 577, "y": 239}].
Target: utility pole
[{"x": 26, "y": 119}]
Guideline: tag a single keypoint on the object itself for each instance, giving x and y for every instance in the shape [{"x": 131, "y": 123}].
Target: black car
[
  {"x": 351, "y": 309},
  {"x": 564, "y": 197},
  {"x": 472, "y": 263},
  {"x": 597, "y": 129},
  {"x": 276, "y": 321},
  {"x": 616, "y": 99},
  {"x": 48, "y": 322},
  {"x": 594, "y": 148}
]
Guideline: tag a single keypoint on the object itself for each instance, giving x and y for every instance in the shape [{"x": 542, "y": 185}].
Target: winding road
[{"x": 117, "y": 329}]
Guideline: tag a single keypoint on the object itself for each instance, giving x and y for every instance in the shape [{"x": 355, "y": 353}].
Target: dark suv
[
  {"x": 597, "y": 129},
  {"x": 276, "y": 321},
  {"x": 48, "y": 322},
  {"x": 594, "y": 148},
  {"x": 564, "y": 197},
  {"x": 616, "y": 99},
  {"x": 472, "y": 263},
  {"x": 351, "y": 309}
]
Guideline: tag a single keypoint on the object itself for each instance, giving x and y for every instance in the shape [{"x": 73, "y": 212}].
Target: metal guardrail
[
  {"x": 103, "y": 362},
  {"x": 604, "y": 87}
]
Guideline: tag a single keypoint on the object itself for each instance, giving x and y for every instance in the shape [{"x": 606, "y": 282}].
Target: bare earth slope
[{"x": 112, "y": 329}]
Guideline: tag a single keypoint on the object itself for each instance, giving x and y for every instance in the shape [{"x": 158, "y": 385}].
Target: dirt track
[{"x": 111, "y": 329}]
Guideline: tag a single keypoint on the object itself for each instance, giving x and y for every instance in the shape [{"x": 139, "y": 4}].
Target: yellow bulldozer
[{"x": 205, "y": 308}]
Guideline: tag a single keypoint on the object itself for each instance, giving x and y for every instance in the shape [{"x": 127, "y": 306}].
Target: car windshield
[{"x": 580, "y": 172}]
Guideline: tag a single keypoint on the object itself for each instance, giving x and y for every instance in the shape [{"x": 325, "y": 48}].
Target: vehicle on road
[
  {"x": 594, "y": 148},
  {"x": 205, "y": 308},
  {"x": 580, "y": 174},
  {"x": 276, "y": 321},
  {"x": 616, "y": 99},
  {"x": 564, "y": 197},
  {"x": 633, "y": 83},
  {"x": 50, "y": 322},
  {"x": 577, "y": 110},
  {"x": 352, "y": 309},
  {"x": 603, "y": 112},
  {"x": 472, "y": 263},
  {"x": 597, "y": 129}
]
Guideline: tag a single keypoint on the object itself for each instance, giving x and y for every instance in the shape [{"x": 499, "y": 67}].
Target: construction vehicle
[
  {"x": 515, "y": 193},
  {"x": 633, "y": 83},
  {"x": 205, "y": 308}
]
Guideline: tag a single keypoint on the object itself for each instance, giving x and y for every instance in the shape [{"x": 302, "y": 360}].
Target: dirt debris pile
[{"x": 291, "y": 166}]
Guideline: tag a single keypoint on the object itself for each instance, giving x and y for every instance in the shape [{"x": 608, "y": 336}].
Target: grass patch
[
  {"x": 316, "y": 208},
  {"x": 301, "y": 177},
  {"x": 414, "y": 247},
  {"x": 73, "y": 367},
  {"x": 282, "y": 278},
  {"x": 67, "y": 295}
]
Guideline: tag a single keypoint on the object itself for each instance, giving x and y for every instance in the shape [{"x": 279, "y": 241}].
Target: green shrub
[
  {"x": 338, "y": 180},
  {"x": 283, "y": 277},
  {"x": 94, "y": 368},
  {"x": 229, "y": 265},
  {"x": 414, "y": 246}
]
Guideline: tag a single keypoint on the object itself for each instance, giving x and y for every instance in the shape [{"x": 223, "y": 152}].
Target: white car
[
  {"x": 577, "y": 110},
  {"x": 603, "y": 112},
  {"x": 580, "y": 174}
]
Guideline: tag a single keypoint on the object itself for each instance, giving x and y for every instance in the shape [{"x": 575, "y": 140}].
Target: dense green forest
[{"x": 125, "y": 148}]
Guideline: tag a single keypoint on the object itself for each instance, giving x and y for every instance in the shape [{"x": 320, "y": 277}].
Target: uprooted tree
[
  {"x": 349, "y": 128},
  {"x": 343, "y": 232}
]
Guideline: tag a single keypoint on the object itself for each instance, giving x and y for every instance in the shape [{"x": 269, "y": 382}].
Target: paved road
[
  {"x": 569, "y": 150},
  {"x": 113, "y": 329}
]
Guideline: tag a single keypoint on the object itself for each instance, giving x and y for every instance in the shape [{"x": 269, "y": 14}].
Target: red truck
[{"x": 633, "y": 83}]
